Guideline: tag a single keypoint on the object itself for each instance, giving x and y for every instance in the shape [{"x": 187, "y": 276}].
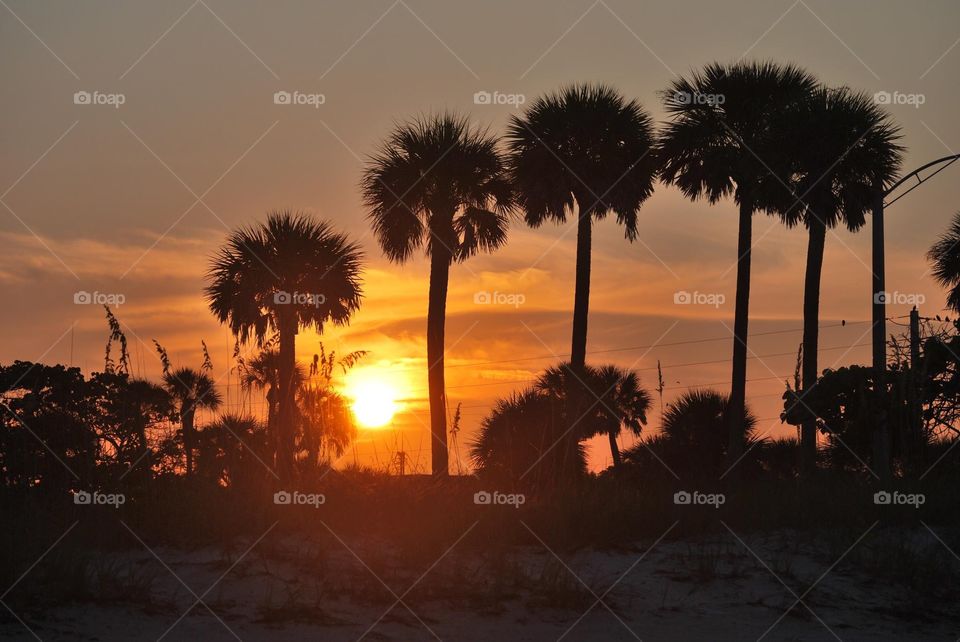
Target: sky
[{"x": 127, "y": 188}]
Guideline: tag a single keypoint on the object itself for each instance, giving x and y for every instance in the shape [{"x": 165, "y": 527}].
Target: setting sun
[{"x": 374, "y": 403}]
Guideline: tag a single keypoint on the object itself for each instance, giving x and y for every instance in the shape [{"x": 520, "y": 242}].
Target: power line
[
  {"x": 650, "y": 346},
  {"x": 679, "y": 365}
]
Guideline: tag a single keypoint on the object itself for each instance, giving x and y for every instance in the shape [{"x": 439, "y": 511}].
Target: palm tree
[
  {"x": 263, "y": 373},
  {"x": 613, "y": 397},
  {"x": 586, "y": 150},
  {"x": 693, "y": 437},
  {"x": 146, "y": 401},
  {"x": 722, "y": 139},
  {"x": 526, "y": 439},
  {"x": 288, "y": 273},
  {"x": 191, "y": 390},
  {"x": 945, "y": 259},
  {"x": 438, "y": 184},
  {"x": 845, "y": 153}
]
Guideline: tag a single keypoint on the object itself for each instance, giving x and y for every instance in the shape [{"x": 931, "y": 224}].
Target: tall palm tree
[
  {"x": 722, "y": 139},
  {"x": 612, "y": 396},
  {"x": 439, "y": 184},
  {"x": 191, "y": 390},
  {"x": 288, "y": 273},
  {"x": 944, "y": 257},
  {"x": 584, "y": 151},
  {"x": 845, "y": 152}
]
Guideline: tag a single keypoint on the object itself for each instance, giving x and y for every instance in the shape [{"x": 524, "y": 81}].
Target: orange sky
[{"x": 133, "y": 200}]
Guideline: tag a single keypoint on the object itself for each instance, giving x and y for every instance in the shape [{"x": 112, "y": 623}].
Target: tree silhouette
[
  {"x": 845, "y": 151},
  {"x": 584, "y": 151},
  {"x": 612, "y": 398},
  {"x": 191, "y": 390},
  {"x": 288, "y": 273},
  {"x": 722, "y": 139},
  {"x": 263, "y": 373},
  {"x": 944, "y": 259},
  {"x": 437, "y": 183}
]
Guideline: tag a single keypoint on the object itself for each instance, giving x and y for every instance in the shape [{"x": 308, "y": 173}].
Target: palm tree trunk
[
  {"x": 811, "y": 318},
  {"x": 614, "y": 449},
  {"x": 741, "y": 318},
  {"x": 436, "y": 318},
  {"x": 581, "y": 299},
  {"x": 285, "y": 418}
]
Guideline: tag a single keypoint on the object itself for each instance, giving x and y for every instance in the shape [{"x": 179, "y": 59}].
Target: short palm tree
[
  {"x": 288, "y": 273},
  {"x": 722, "y": 139},
  {"x": 693, "y": 437},
  {"x": 526, "y": 440},
  {"x": 263, "y": 373},
  {"x": 944, "y": 257},
  {"x": 146, "y": 401},
  {"x": 586, "y": 152},
  {"x": 612, "y": 399},
  {"x": 845, "y": 154},
  {"x": 438, "y": 184},
  {"x": 191, "y": 390}
]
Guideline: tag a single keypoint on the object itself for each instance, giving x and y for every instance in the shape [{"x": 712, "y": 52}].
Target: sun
[{"x": 374, "y": 403}]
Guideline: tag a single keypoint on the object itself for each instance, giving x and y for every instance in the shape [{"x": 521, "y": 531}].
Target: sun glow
[{"x": 374, "y": 402}]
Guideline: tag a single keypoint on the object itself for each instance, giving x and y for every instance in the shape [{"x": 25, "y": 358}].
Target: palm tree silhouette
[
  {"x": 944, "y": 257},
  {"x": 585, "y": 148},
  {"x": 287, "y": 273},
  {"x": 263, "y": 373},
  {"x": 190, "y": 390},
  {"x": 439, "y": 184},
  {"x": 145, "y": 400},
  {"x": 721, "y": 140},
  {"x": 845, "y": 152},
  {"x": 612, "y": 396}
]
